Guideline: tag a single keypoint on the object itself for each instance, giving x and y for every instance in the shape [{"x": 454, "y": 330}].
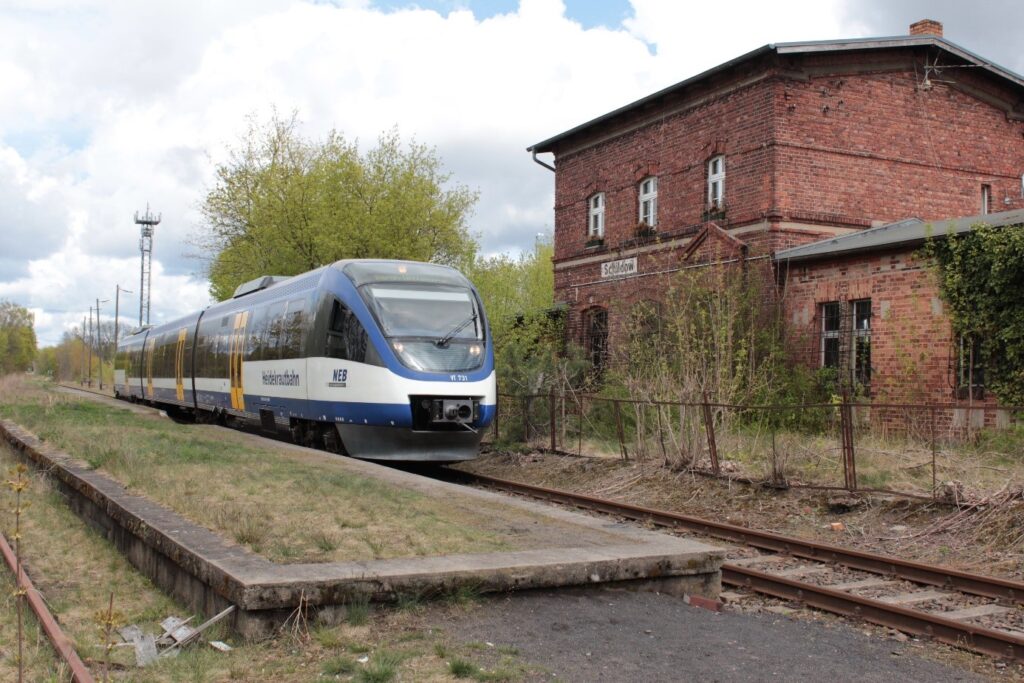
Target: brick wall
[
  {"x": 815, "y": 145},
  {"x": 911, "y": 336}
]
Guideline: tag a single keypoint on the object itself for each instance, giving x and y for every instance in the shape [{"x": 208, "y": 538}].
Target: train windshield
[{"x": 439, "y": 314}]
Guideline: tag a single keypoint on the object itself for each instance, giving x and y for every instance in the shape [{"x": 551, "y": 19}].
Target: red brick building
[{"x": 786, "y": 145}]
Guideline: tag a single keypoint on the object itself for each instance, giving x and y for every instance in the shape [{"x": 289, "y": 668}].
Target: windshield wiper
[{"x": 443, "y": 341}]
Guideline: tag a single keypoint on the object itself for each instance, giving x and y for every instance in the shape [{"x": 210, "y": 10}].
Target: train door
[
  {"x": 149, "y": 348},
  {"x": 236, "y": 352},
  {"x": 179, "y": 365}
]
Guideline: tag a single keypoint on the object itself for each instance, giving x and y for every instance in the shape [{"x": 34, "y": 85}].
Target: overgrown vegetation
[{"x": 981, "y": 276}]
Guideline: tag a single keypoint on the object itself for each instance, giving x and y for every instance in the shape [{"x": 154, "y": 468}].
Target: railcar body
[{"x": 386, "y": 360}]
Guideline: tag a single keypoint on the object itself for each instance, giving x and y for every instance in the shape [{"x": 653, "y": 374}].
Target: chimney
[{"x": 926, "y": 27}]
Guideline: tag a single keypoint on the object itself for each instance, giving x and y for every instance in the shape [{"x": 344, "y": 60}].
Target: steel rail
[
  {"x": 974, "y": 584},
  {"x": 61, "y": 643},
  {"x": 960, "y": 634}
]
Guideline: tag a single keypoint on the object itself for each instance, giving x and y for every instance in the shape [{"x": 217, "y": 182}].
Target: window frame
[
  {"x": 716, "y": 179},
  {"x": 859, "y": 313},
  {"x": 969, "y": 369},
  {"x": 595, "y": 336},
  {"x": 595, "y": 214},
  {"x": 986, "y": 199},
  {"x": 648, "y": 201}
]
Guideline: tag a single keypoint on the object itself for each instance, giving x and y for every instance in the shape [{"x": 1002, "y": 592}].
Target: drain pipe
[{"x": 541, "y": 163}]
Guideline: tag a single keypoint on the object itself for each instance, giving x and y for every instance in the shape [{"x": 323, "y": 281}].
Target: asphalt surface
[{"x": 613, "y": 635}]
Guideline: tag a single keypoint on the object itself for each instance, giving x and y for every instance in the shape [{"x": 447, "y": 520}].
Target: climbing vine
[{"x": 981, "y": 277}]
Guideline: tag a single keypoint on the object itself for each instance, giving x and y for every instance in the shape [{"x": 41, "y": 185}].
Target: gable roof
[
  {"x": 795, "y": 48},
  {"x": 907, "y": 233}
]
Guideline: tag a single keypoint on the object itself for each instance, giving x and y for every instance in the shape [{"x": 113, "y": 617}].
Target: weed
[
  {"x": 461, "y": 668},
  {"x": 382, "y": 667},
  {"x": 342, "y": 664},
  {"x": 327, "y": 637},
  {"x": 509, "y": 650},
  {"x": 324, "y": 541},
  {"x": 441, "y": 650},
  {"x": 357, "y": 648},
  {"x": 357, "y": 610},
  {"x": 465, "y": 594}
]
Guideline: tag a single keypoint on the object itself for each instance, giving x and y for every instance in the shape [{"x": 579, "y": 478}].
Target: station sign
[{"x": 619, "y": 268}]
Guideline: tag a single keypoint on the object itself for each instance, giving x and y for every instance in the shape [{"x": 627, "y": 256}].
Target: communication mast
[{"x": 147, "y": 222}]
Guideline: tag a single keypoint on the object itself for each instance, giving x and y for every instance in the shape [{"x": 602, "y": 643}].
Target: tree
[
  {"x": 981, "y": 276},
  {"x": 17, "y": 338},
  {"x": 528, "y": 332},
  {"x": 283, "y": 204}
]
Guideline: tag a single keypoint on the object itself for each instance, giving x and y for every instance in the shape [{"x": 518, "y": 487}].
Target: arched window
[
  {"x": 595, "y": 336},
  {"x": 649, "y": 201},
  {"x": 595, "y": 216}
]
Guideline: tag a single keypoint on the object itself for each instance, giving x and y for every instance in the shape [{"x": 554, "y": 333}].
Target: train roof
[{"x": 270, "y": 287}]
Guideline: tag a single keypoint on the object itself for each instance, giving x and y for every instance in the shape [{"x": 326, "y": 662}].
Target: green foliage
[
  {"x": 17, "y": 338},
  {"x": 528, "y": 332},
  {"x": 981, "y": 277},
  {"x": 284, "y": 204}
]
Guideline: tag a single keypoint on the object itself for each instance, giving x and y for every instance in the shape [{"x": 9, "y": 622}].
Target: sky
[{"x": 107, "y": 106}]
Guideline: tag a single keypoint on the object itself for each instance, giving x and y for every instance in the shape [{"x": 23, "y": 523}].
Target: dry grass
[
  {"x": 969, "y": 465},
  {"x": 287, "y": 505},
  {"x": 76, "y": 570}
]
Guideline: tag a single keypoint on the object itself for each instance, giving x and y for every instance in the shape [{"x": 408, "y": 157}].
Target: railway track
[
  {"x": 980, "y": 613},
  {"x": 972, "y": 611}
]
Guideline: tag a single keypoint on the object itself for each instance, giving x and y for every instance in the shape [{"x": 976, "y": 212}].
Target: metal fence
[{"x": 949, "y": 452}]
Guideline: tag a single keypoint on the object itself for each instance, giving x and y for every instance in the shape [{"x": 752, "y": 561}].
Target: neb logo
[{"x": 340, "y": 375}]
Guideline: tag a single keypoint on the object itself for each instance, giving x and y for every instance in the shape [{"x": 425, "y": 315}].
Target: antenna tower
[{"x": 146, "y": 222}]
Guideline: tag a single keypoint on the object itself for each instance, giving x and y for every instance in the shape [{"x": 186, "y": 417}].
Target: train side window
[
  {"x": 274, "y": 333},
  {"x": 294, "y": 327},
  {"x": 256, "y": 330},
  {"x": 346, "y": 338}
]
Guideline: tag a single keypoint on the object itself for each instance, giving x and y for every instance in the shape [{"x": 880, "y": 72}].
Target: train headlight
[
  {"x": 475, "y": 349},
  {"x": 399, "y": 347}
]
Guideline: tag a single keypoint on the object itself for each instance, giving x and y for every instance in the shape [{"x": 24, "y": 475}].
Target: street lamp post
[
  {"x": 99, "y": 342},
  {"x": 117, "y": 309}
]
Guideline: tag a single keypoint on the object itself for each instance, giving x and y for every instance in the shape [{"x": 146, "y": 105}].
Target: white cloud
[{"x": 109, "y": 104}]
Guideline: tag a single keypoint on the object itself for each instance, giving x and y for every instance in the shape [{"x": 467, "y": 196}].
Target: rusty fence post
[
  {"x": 709, "y": 427},
  {"x": 579, "y": 434},
  {"x": 935, "y": 492},
  {"x": 846, "y": 435},
  {"x": 552, "y": 419},
  {"x": 497, "y": 414},
  {"x": 527, "y": 401},
  {"x": 623, "y": 453}
]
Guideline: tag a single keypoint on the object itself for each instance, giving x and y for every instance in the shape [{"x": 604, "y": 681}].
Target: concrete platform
[{"x": 208, "y": 573}]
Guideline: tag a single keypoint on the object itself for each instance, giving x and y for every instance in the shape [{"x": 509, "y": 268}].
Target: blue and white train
[{"x": 383, "y": 360}]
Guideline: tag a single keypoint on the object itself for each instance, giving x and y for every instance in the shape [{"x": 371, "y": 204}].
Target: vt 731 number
[{"x": 459, "y": 378}]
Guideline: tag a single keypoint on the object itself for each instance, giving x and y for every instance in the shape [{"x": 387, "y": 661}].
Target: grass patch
[
  {"x": 462, "y": 668},
  {"x": 340, "y": 665},
  {"x": 287, "y": 505},
  {"x": 357, "y": 611},
  {"x": 382, "y": 667}
]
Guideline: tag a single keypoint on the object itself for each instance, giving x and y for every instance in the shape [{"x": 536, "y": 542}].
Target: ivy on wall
[{"x": 981, "y": 277}]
